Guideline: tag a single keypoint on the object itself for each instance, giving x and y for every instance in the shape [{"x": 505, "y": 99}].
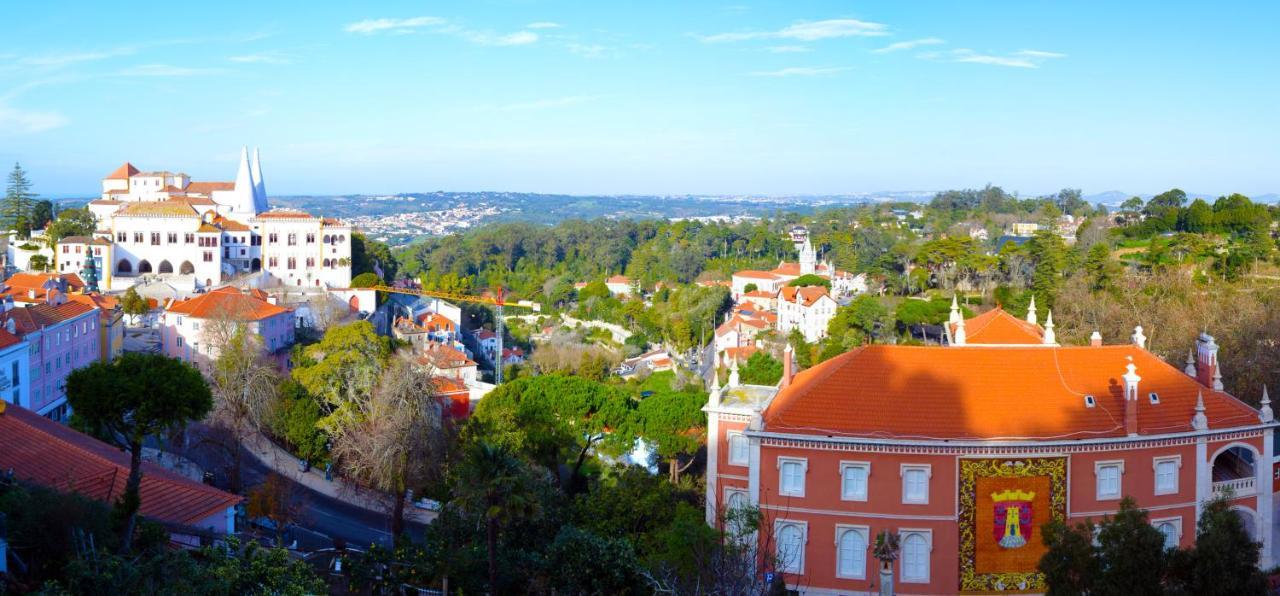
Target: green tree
[
  {"x": 581, "y": 562},
  {"x": 16, "y": 208},
  {"x": 367, "y": 254},
  {"x": 38, "y": 263},
  {"x": 133, "y": 304},
  {"x": 71, "y": 222},
  {"x": 342, "y": 369},
  {"x": 1131, "y": 553},
  {"x": 296, "y": 419},
  {"x": 810, "y": 279},
  {"x": 41, "y": 214},
  {"x": 865, "y": 317},
  {"x": 1224, "y": 560},
  {"x": 1070, "y": 565},
  {"x": 674, "y": 423},
  {"x": 749, "y": 288},
  {"x": 1103, "y": 271},
  {"x": 1198, "y": 217},
  {"x": 760, "y": 369},
  {"x": 131, "y": 398},
  {"x": 492, "y": 482},
  {"x": 367, "y": 279}
]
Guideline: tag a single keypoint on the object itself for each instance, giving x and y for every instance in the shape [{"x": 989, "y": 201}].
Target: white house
[
  {"x": 808, "y": 309},
  {"x": 620, "y": 286}
]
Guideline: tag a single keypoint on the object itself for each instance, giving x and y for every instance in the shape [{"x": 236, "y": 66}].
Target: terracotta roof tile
[
  {"x": 227, "y": 302},
  {"x": 997, "y": 326},
  {"x": 756, "y": 274},
  {"x": 204, "y": 188},
  {"x": 157, "y": 209},
  {"x": 988, "y": 392},
  {"x": 804, "y": 296},
  {"x": 285, "y": 214},
  {"x": 123, "y": 172},
  {"x": 49, "y": 454},
  {"x": 35, "y": 316}
]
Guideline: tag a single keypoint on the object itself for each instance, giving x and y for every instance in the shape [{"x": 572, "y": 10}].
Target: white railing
[{"x": 1239, "y": 487}]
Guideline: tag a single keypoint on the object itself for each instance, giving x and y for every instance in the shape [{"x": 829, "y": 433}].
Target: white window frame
[
  {"x": 1176, "y": 460},
  {"x": 928, "y": 475},
  {"x": 782, "y": 483},
  {"x": 796, "y": 567},
  {"x": 1097, "y": 483},
  {"x": 732, "y": 490},
  {"x": 866, "y": 488},
  {"x": 744, "y": 461},
  {"x": 928, "y": 558},
  {"x": 865, "y": 531},
  {"x": 1177, "y": 526}
]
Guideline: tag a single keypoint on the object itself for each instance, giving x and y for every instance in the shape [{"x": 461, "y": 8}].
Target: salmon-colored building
[{"x": 966, "y": 450}]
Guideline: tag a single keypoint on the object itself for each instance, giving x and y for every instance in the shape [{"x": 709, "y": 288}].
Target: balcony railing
[{"x": 1239, "y": 487}]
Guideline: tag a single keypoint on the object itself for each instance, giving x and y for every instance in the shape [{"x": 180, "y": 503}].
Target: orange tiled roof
[
  {"x": 36, "y": 281},
  {"x": 229, "y": 224},
  {"x": 204, "y": 188},
  {"x": 988, "y": 392},
  {"x": 285, "y": 214},
  {"x": 7, "y": 339},
  {"x": 157, "y": 209},
  {"x": 32, "y": 318},
  {"x": 123, "y": 172},
  {"x": 105, "y": 303},
  {"x": 105, "y": 201},
  {"x": 618, "y": 279},
  {"x": 804, "y": 296},
  {"x": 44, "y": 452},
  {"x": 227, "y": 302},
  {"x": 444, "y": 356},
  {"x": 760, "y": 294},
  {"x": 756, "y": 274},
  {"x": 997, "y": 326}
]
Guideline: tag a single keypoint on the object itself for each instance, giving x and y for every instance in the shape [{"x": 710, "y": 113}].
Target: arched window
[
  {"x": 1170, "y": 532},
  {"x": 186, "y": 268},
  {"x": 165, "y": 267},
  {"x": 851, "y": 553},
  {"x": 326, "y": 238},
  {"x": 124, "y": 266},
  {"x": 915, "y": 558},
  {"x": 790, "y": 548},
  {"x": 144, "y": 266},
  {"x": 325, "y": 263}
]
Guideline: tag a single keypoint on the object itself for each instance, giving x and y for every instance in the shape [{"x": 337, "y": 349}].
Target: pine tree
[{"x": 19, "y": 201}]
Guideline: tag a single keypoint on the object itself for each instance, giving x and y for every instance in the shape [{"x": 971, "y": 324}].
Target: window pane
[
  {"x": 1170, "y": 535},
  {"x": 853, "y": 551},
  {"x": 915, "y": 557}
]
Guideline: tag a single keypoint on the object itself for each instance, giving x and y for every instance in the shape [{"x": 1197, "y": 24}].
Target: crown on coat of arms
[{"x": 1013, "y": 495}]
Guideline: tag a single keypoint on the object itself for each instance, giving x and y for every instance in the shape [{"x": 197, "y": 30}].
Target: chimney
[
  {"x": 1031, "y": 311},
  {"x": 1131, "y": 379},
  {"x": 1138, "y": 338},
  {"x": 788, "y": 367},
  {"x": 1207, "y": 360},
  {"x": 1095, "y": 340}
]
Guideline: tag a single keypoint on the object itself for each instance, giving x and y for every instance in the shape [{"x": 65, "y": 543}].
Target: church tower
[{"x": 808, "y": 258}]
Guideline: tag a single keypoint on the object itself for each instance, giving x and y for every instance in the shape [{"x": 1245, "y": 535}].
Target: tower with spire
[{"x": 808, "y": 258}]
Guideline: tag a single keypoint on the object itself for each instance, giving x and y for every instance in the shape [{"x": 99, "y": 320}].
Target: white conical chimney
[
  {"x": 960, "y": 337},
  {"x": 1050, "y": 337},
  {"x": 242, "y": 202},
  {"x": 955, "y": 310},
  {"x": 1031, "y": 311},
  {"x": 259, "y": 186}
]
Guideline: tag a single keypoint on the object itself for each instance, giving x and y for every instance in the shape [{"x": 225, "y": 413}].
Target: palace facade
[{"x": 967, "y": 450}]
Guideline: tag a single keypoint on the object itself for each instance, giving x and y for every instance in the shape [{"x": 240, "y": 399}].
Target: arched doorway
[
  {"x": 124, "y": 267},
  {"x": 1234, "y": 471},
  {"x": 186, "y": 268},
  {"x": 165, "y": 267},
  {"x": 255, "y": 264},
  {"x": 1247, "y": 519},
  {"x": 208, "y": 283},
  {"x": 354, "y": 304},
  {"x": 144, "y": 266}
]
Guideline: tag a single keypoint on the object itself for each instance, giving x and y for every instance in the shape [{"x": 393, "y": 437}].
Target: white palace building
[{"x": 195, "y": 235}]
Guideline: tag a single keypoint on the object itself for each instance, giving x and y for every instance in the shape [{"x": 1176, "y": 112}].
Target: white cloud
[
  {"x": 1038, "y": 54},
  {"x": 801, "y": 71},
  {"x": 372, "y": 26},
  {"x": 588, "y": 50},
  {"x": 164, "y": 70},
  {"x": 518, "y": 38},
  {"x": 65, "y": 59},
  {"x": 262, "y": 58},
  {"x": 808, "y": 31},
  {"x": 543, "y": 25},
  {"x": 542, "y": 104},
  {"x": 1019, "y": 59},
  {"x": 13, "y": 120},
  {"x": 787, "y": 49},
  {"x": 907, "y": 45}
]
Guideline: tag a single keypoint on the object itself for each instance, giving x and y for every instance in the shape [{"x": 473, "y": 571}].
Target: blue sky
[{"x": 739, "y": 96}]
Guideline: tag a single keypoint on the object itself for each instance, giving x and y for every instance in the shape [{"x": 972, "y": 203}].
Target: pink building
[
  {"x": 186, "y": 327},
  {"x": 61, "y": 337}
]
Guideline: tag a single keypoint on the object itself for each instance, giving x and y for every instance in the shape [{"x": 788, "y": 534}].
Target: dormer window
[
  {"x": 1154, "y": 397},
  {"x": 1089, "y": 402}
]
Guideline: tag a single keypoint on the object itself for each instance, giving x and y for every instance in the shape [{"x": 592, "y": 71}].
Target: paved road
[{"x": 324, "y": 519}]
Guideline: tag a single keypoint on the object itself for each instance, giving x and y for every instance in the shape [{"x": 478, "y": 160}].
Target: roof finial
[
  {"x": 955, "y": 309},
  {"x": 1217, "y": 376},
  {"x": 733, "y": 372},
  {"x": 1190, "y": 369},
  {"x": 1139, "y": 339},
  {"x": 1031, "y": 311},
  {"x": 1200, "y": 421},
  {"x": 1266, "y": 415},
  {"x": 1049, "y": 336},
  {"x": 960, "y": 337}
]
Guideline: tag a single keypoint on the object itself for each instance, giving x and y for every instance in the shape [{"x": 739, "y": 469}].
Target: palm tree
[
  {"x": 886, "y": 550},
  {"x": 493, "y": 481}
]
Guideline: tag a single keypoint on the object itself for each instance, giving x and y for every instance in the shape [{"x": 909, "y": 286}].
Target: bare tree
[
  {"x": 393, "y": 441},
  {"x": 242, "y": 379}
]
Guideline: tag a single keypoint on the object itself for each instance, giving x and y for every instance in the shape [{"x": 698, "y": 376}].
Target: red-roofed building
[
  {"x": 444, "y": 360},
  {"x": 42, "y": 452},
  {"x": 808, "y": 308},
  {"x": 966, "y": 451},
  {"x": 60, "y": 336},
  {"x": 188, "y": 327}
]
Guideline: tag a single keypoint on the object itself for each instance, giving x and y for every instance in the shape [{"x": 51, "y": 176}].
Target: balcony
[{"x": 1238, "y": 487}]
